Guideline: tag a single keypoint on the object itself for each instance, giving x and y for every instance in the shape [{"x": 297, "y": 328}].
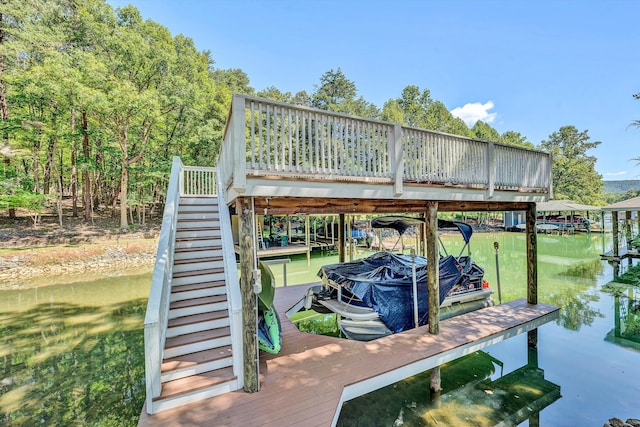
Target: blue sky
[{"x": 527, "y": 66}]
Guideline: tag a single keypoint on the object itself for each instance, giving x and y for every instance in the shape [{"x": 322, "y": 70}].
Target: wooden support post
[
  {"x": 614, "y": 225},
  {"x": 341, "y": 237},
  {"x": 433, "y": 284},
  {"x": 532, "y": 348},
  {"x": 435, "y": 387},
  {"x": 532, "y": 255},
  {"x": 249, "y": 298},
  {"x": 307, "y": 232}
]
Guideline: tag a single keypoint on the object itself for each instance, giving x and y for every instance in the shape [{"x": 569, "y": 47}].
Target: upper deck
[{"x": 276, "y": 150}]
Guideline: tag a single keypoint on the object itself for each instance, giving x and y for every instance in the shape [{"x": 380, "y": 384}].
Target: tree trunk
[
  {"x": 46, "y": 178},
  {"x": 96, "y": 191},
  {"x": 4, "y": 109},
  {"x": 74, "y": 169},
  {"x": 85, "y": 171},
  {"x": 123, "y": 196}
]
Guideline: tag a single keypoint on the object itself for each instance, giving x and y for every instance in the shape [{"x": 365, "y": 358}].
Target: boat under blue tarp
[{"x": 384, "y": 282}]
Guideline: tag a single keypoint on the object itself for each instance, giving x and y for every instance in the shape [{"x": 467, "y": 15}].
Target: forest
[{"x": 95, "y": 102}]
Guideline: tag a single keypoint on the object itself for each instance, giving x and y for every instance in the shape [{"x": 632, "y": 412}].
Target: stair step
[
  {"x": 198, "y": 249},
  {"x": 197, "y": 322},
  {"x": 202, "y": 272},
  {"x": 197, "y": 260},
  {"x": 198, "y": 301},
  {"x": 193, "y": 255},
  {"x": 198, "y": 232},
  {"x": 198, "y": 242},
  {"x": 197, "y": 341},
  {"x": 191, "y": 268},
  {"x": 199, "y": 201},
  {"x": 193, "y": 215},
  {"x": 193, "y": 383},
  {"x": 187, "y": 307},
  {"x": 197, "y": 290},
  {"x": 207, "y": 334},
  {"x": 196, "y": 363}
]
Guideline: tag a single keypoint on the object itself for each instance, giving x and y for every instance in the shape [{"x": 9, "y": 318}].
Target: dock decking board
[{"x": 304, "y": 384}]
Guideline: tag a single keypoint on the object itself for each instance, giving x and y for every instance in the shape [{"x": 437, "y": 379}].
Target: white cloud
[
  {"x": 472, "y": 112},
  {"x": 615, "y": 173}
]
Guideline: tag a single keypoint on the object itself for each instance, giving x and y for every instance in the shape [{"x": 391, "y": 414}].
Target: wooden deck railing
[
  {"x": 271, "y": 139},
  {"x": 198, "y": 181},
  {"x": 156, "y": 317},
  {"x": 187, "y": 181}
]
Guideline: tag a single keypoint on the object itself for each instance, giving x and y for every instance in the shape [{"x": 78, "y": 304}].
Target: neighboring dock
[{"x": 313, "y": 375}]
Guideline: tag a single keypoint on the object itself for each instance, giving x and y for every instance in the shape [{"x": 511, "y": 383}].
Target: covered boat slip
[
  {"x": 279, "y": 159},
  {"x": 313, "y": 375}
]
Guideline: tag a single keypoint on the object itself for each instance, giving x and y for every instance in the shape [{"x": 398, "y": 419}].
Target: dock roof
[
  {"x": 632, "y": 204},
  {"x": 564, "y": 206}
]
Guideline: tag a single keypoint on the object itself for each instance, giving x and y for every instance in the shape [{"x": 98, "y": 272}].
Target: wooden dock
[
  {"x": 313, "y": 375},
  {"x": 623, "y": 253}
]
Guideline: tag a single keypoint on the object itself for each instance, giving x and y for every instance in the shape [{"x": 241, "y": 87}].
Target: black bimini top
[{"x": 402, "y": 223}]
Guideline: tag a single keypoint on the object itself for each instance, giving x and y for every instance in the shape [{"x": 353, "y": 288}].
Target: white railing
[
  {"x": 266, "y": 138},
  {"x": 234, "y": 298},
  {"x": 197, "y": 181},
  {"x": 431, "y": 157},
  {"x": 156, "y": 317}
]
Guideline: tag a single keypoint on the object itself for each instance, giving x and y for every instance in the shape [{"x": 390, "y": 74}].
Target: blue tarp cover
[{"x": 383, "y": 281}]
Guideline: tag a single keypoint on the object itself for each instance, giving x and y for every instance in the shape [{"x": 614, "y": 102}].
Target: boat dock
[{"x": 313, "y": 375}]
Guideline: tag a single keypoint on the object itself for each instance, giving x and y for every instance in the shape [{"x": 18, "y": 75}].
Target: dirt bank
[{"x": 29, "y": 251}]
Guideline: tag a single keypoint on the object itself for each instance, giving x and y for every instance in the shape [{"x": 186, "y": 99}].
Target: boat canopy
[
  {"x": 384, "y": 282},
  {"x": 402, "y": 223}
]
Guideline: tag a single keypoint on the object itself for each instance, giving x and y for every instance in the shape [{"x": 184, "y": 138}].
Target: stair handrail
[
  {"x": 232, "y": 283},
  {"x": 156, "y": 317}
]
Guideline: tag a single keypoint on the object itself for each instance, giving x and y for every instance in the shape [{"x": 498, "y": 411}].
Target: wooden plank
[
  {"x": 249, "y": 299},
  {"x": 532, "y": 254},
  {"x": 308, "y": 381}
]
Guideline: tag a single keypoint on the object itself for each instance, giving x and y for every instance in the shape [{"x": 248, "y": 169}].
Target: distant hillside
[{"x": 621, "y": 186}]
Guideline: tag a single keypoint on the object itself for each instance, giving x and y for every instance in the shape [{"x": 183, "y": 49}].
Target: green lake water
[{"x": 72, "y": 353}]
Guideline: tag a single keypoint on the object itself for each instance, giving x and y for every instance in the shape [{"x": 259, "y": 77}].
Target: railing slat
[{"x": 325, "y": 145}]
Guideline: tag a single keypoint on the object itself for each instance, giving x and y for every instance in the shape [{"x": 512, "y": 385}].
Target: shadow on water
[
  {"x": 475, "y": 392},
  {"x": 67, "y": 364}
]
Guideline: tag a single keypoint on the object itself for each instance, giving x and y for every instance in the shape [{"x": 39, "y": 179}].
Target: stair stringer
[{"x": 232, "y": 283}]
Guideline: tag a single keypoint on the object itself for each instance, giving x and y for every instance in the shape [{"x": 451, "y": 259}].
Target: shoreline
[{"x": 24, "y": 267}]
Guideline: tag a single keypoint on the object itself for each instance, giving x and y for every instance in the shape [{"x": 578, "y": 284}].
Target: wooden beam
[
  {"x": 431, "y": 217},
  {"x": 249, "y": 298},
  {"x": 532, "y": 255},
  {"x": 341, "y": 238},
  {"x": 614, "y": 224},
  {"x": 319, "y": 205}
]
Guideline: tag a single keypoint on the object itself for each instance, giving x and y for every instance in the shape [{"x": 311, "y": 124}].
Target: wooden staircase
[{"x": 197, "y": 359}]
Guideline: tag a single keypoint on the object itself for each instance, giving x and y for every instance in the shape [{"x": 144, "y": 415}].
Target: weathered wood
[
  {"x": 341, "y": 256},
  {"x": 306, "y": 383},
  {"x": 249, "y": 298},
  {"x": 532, "y": 348},
  {"x": 435, "y": 384},
  {"x": 614, "y": 224},
  {"x": 433, "y": 285},
  {"x": 319, "y": 205},
  {"x": 532, "y": 255}
]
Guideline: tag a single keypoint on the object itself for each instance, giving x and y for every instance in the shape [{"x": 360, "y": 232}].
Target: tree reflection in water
[{"x": 64, "y": 364}]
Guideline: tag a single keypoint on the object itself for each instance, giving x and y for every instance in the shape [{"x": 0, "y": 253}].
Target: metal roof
[
  {"x": 564, "y": 206},
  {"x": 632, "y": 204}
]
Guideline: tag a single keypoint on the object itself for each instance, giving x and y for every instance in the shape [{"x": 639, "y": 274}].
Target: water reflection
[
  {"x": 73, "y": 355},
  {"x": 626, "y": 312},
  {"x": 475, "y": 392}
]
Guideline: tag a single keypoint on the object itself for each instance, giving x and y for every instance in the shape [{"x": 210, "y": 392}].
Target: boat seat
[{"x": 349, "y": 311}]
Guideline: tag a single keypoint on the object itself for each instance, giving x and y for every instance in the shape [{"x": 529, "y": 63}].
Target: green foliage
[
  {"x": 337, "y": 93},
  {"x": 68, "y": 371},
  {"x": 485, "y": 132},
  {"x": 574, "y": 175}
]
